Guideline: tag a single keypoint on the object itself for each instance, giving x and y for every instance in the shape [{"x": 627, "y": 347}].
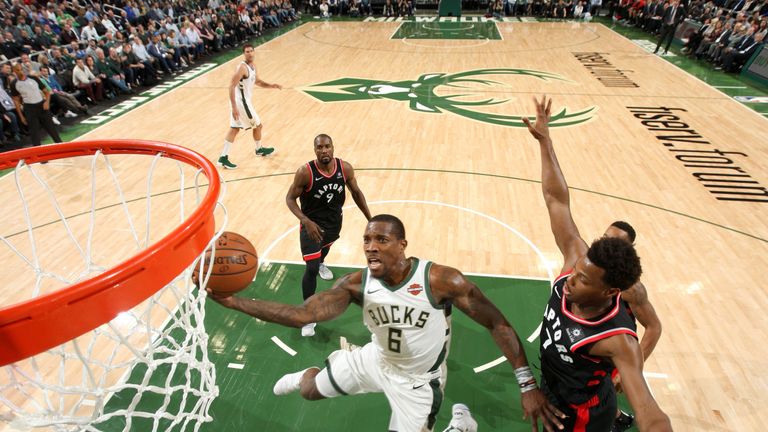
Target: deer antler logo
[{"x": 421, "y": 95}]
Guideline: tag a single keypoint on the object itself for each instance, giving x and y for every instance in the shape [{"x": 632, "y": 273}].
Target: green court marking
[
  {"x": 245, "y": 397},
  {"x": 447, "y": 30}
]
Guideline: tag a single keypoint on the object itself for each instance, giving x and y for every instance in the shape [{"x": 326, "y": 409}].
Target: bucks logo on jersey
[{"x": 460, "y": 94}]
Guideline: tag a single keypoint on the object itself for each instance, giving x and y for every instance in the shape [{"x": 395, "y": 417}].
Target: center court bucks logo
[{"x": 460, "y": 93}]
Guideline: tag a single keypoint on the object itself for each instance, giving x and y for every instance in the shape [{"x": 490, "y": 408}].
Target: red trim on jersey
[
  {"x": 600, "y": 373},
  {"x": 614, "y": 373},
  {"x": 582, "y": 414},
  {"x": 565, "y": 273},
  {"x": 603, "y": 335},
  {"x": 590, "y": 358},
  {"x": 610, "y": 314},
  {"x": 593, "y": 383},
  {"x": 335, "y": 167},
  {"x": 343, "y": 174},
  {"x": 327, "y": 245},
  {"x": 312, "y": 256},
  {"x": 311, "y": 178}
]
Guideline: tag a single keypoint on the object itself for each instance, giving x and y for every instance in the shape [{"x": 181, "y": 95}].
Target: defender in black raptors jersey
[
  {"x": 320, "y": 185},
  {"x": 587, "y": 331}
]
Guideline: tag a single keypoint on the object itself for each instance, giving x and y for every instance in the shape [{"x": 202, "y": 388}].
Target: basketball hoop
[{"x": 74, "y": 328}]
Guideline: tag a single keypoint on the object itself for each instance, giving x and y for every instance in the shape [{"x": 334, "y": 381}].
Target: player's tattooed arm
[
  {"x": 448, "y": 284},
  {"x": 323, "y": 306}
]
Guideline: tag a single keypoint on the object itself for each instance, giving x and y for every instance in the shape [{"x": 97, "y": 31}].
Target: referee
[{"x": 35, "y": 98}]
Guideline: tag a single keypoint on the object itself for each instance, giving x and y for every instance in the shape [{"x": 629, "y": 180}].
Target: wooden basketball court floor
[{"x": 465, "y": 181}]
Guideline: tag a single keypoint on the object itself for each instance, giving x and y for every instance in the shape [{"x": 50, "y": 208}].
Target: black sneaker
[
  {"x": 623, "y": 422},
  {"x": 264, "y": 151},
  {"x": 225, "y": 163}
]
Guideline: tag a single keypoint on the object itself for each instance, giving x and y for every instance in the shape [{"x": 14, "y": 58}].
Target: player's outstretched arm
[
  {"x": 448, "y": 284},
  {"x": 555, "y": 188},
  {"x": 624, "y": 351},
  {"x": 354, "y": 189},
  {"x": 637, "y": 297},
  {"x": 323, "y": 306},
  {"x": 265, "y": 84}
]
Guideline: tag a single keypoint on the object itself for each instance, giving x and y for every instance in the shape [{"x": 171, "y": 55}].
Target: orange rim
[{"x": 33, "y": 326}]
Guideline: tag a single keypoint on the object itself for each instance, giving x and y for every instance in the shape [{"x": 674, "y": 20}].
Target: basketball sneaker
[
  {"x": 623, "y": 422},
  {"x": 289, "y": 383},
  {"x": 225, "y": 163},
  {"x": 308, "y": 330},
  {"x": 264, "y": 151},
  {"x": 325, "y": 272},
  {"x": 461, "y": 420}
]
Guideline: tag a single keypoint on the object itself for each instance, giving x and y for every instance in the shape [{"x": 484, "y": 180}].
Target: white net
[{"x": 148, "y": 368}]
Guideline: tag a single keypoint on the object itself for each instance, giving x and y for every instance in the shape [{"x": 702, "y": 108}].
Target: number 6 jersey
[{"x": 410, "y": 331}]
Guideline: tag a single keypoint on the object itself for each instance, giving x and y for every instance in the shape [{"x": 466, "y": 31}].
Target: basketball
[{"x": 234, "y": 264}]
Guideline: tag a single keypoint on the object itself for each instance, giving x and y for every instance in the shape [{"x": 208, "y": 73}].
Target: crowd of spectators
[
  {"x": 731, "y": 30},
  {"x": 82, "y": 52}
]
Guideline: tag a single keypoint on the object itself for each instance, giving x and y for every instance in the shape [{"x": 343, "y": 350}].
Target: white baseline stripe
[
  {"x": 489, "y": 365},
  {"x": 282, "y": 345},
  {"x": 730, "y": 87}
]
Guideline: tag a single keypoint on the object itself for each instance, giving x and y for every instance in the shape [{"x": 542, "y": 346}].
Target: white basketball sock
[
  {"x": 225, "y": 152},
  {"x": 257, "y": 143}
]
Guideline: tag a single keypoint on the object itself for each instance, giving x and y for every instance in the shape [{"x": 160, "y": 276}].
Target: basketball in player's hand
[{"x": 234, "y": 265}]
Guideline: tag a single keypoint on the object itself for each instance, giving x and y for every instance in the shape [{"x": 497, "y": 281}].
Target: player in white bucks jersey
[
  {"x": 406, "y": 304},
  {"x": 586, "y": 331},
  {"x": 242, "y": 114}
]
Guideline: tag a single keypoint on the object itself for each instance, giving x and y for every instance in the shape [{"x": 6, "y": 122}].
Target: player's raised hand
[
  {"x": 536, "y": 406},
  {"x": 540, "y": 130}
]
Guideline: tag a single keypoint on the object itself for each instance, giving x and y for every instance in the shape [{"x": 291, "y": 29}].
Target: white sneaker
[
  {"x": 325, "y": 272},
  {"x": 308, "y": 330},
  {"x": 56, "y": 121},
  {"x": 289, "y": 383},
  {"x": 70, "y": 114},
  {"x": 461, "y": 420}
]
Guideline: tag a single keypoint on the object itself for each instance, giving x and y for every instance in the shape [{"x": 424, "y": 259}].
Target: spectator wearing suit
[
  {"x": 673, "y": 16},
  {"x": 68, "y": 35},
  {"x": 734, "y": 60}
]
